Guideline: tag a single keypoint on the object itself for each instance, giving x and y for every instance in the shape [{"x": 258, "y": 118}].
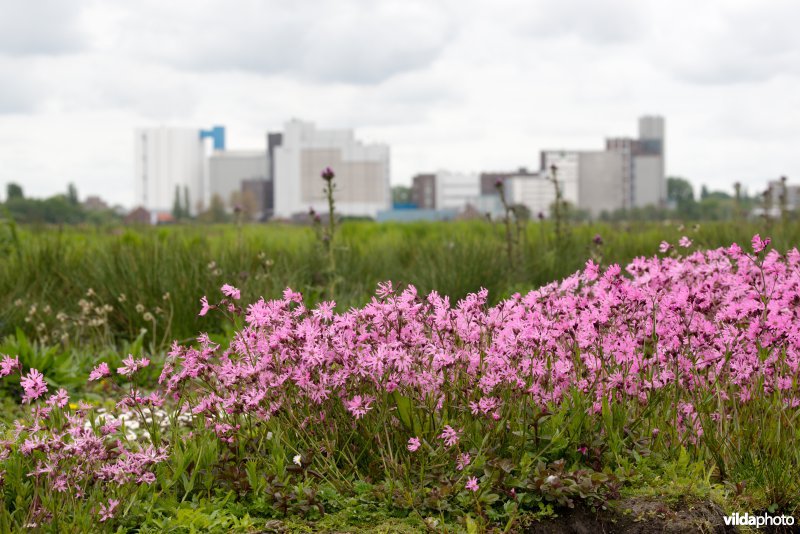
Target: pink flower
[
  {"x": 100, "y": 371},
  {"x": 449, "y": 435},
  {"x": 325, "y": 310},
  {"x": 413, "y": 444},
  {"x": 463, "y": 461},
  {"x": 685, "y": 242},
  {"x": 131, "y": 365},
  {"x": 231, "y": 292},
  {"x": 205, "y": 308},
  {"x": 292, "y": 296},
  {"x": 146, "y": 478},
  {"x": 759, "y": 244},
  {"x": 110, "y": 427},
  {"x": 34, "y": 386},
  {"x": 384, "y": 289},
  {"x": 60, "y": 399},
  {"x": 107, "y": 512},
  {"x": 9, "y": 365},
  {"x": 664, "y": 247},
  {"x": 785, "y": 383},
  {"x": 359, "y": 406},
  {"x": 472, "y": 484}
]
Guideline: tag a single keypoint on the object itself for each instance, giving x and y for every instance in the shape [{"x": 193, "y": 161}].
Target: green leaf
[
  {"x": 405, "y": 410},
  {"x": 472, "y": 526}
]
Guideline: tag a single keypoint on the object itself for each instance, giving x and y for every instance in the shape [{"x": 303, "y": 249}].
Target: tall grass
[{"x": 164, "y": 271}]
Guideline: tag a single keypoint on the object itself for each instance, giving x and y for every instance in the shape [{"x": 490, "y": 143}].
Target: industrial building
[
  {"x": 456, "y": 189},
  {"x": 302, "y": 151},
  {"x": 283, "y": 179},
  {"x": 629, "y": 173},
  {"x": 230, "y": 170},
  {"x": 167, "y": 159},
  {"x": 780, "y": 196}
]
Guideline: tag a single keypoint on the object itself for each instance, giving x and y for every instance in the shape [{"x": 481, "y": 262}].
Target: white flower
[
  {"x": 551, "y": 479},
  {"x": 269, "y": 436},
  {"x": 297, "y": 459}
]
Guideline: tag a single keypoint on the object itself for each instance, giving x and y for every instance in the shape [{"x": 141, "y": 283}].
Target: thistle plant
[
  {"x": 559, "y": 205},
  {"x": 329, "y": 232},
  {"x": 767, "y": 206},
  {"x": 514, "y": 227},
  {"x": 783, "y": 200},
  {"x": 737, "y": 209}
]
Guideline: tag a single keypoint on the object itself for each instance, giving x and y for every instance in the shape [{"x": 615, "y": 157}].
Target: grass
[{"x": 151, "y": 279}]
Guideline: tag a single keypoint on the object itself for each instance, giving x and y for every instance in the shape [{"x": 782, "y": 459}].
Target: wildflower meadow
[{"x": 190, "y": 402}]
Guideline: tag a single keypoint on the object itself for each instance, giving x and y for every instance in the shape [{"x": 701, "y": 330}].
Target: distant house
[
  {"x": 138, "y": 216},
  {"x": 162, "y": 217},
  {"x": 95, "y": 203}
]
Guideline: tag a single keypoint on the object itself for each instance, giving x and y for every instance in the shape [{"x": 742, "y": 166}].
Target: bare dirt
[{"x": 638, "y": 515}]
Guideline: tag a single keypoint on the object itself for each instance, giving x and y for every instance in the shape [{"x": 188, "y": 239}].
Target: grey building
[
  {"x": 260, "y": 192},
  {"x": 423, "y": 191},
  {"x": 629, "y": 173},
  {"x": 601, "y": 179},
  {"x": 228, "y": 171}
]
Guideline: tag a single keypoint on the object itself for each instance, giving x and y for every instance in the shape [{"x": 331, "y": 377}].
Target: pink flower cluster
[
  {"x": 721, "y": 325},
  {"x": 702, "y": 322},
  {"x": 68, "y": 450}
]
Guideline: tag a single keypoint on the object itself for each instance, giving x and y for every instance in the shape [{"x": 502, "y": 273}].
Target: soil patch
[{"x": 638, "y": 515}]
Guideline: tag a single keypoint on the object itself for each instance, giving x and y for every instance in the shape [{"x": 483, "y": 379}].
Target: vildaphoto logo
[{"x": 758, "y": 521}]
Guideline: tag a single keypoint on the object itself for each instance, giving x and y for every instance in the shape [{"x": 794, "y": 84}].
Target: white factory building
[
  {"x": 535, "y": 192},
  {"x": 628, "y": 173},
  {"x": 167, "y": 159},
  {"x": 285, "y": 174},
  {"x": 456, "y": 190},
  {"x": 302, "y": 151}
]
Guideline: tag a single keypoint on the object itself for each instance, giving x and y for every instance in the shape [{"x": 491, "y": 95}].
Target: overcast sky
[{"x": 460, "y": 85}]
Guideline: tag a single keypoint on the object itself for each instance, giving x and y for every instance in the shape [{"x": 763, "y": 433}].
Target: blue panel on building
[
  {"x": 406, "y": 215},
  {"x": 217, "y": 133}
]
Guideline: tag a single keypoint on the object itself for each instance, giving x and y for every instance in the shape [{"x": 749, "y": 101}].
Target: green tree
[
  {"x": 681, "y": 194},
  {"x": 72, "y": 194},
  {"x": 186, "y": 201},
  {"x": 679, "y": 190},
  {"x": 522, "y": 212},
  {"x": 215, "y": 212},
  {"x": 401, "y": 194},
  {"x": 177, "y": 209},
  {"x": 14, "y": 191}
]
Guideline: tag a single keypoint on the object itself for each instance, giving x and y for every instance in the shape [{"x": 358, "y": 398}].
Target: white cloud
[
  {"x": 348, "y": 41},
  {"x": 30, "y": 27},
  {"x": 465, "y": 85},
  {"x": 19, "y": 91}
]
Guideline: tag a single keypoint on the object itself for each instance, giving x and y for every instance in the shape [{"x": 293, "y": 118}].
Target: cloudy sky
[{"x": 462, "y": 85}]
